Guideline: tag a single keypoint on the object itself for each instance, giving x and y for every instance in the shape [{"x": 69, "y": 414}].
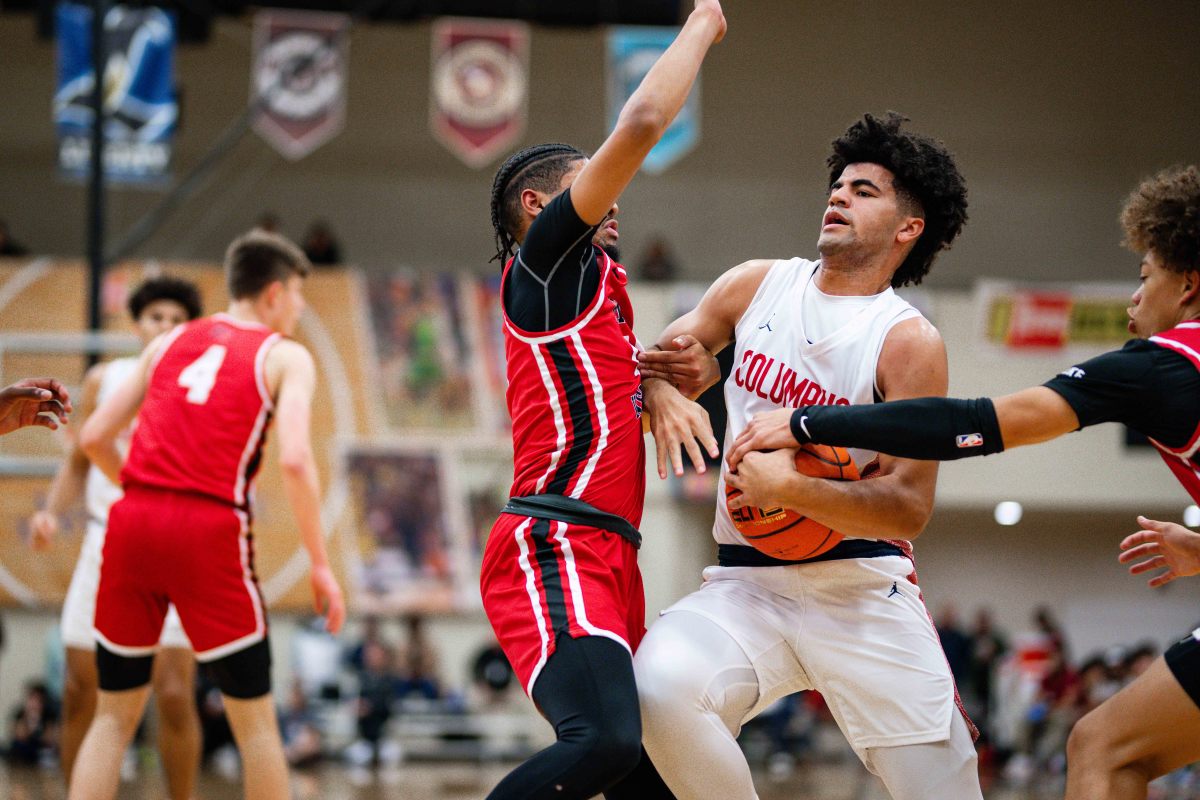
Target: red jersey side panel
[
  {"x": 204, "y": 419},
  {"x": 575, "y": 398},
  {"x": 1184, "y": 463}
]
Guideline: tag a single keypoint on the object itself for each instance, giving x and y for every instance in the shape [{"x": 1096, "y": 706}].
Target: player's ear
[
  {"x": 911, "y": 229},
  {"x": 1191, "y": 287},
  {"x": 532, "y": 202}
]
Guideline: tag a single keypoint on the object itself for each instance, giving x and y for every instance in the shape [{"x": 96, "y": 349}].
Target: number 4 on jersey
[{"x": 199, "y": 376}]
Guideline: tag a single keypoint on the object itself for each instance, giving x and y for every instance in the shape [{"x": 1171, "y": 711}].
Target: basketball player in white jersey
[
  {"x": 157, "y": 306},
  {"x": 849, "y": 623}
]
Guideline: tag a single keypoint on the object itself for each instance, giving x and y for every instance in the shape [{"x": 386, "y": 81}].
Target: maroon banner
[
  {"x": 479, "y": 87},
  {"x": 299, "y": 77}
]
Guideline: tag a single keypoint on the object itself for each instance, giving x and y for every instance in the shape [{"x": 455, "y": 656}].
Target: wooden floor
[{"x": 840, "y": 781}]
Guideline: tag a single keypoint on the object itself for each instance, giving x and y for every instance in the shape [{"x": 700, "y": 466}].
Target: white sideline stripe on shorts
[
  {"x": 125, "y": 650},
  {"x": 534, "y": 599},
  {"x": 577, "y": 592}
]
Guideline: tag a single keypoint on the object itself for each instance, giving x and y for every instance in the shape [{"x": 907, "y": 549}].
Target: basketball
[{"x": 782, "y": 533}]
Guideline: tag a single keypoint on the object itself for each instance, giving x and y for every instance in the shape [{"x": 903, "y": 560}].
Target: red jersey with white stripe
[
  {"x": 204, "y": 419},
  {"x": 575, "y": 398},
  {"x": 1184, "y": 462}
]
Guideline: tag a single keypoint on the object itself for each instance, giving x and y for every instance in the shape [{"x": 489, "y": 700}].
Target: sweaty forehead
[{"x": 877, "y": 174}]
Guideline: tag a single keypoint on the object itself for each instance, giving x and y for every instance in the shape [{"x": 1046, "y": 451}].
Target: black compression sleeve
[{"x": 929, "y": 428}]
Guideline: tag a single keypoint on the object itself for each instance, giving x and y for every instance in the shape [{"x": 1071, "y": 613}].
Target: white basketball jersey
[
  {"x": 100, "y": 492},
  {"x": 776, "y": 366}
]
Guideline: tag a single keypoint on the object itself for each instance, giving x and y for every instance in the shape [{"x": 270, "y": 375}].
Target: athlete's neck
[
  {"x": 246, "y": 311},
  {"x": 842, "y": 277}
]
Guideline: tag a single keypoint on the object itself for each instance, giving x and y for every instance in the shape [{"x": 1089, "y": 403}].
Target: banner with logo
[
  {"x": 632, "y": 51},
  {"x": 479, "y": 92},
  {"x": 299, "y": 78},
  {"x": 1054, "y": 317},
  {"x": 140, "y": 105}
]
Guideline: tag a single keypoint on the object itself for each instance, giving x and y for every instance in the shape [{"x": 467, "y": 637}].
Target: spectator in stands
[
  {"x": 303, "y": 743},
  {"x": 417, "y": 673},
  {"x": 370, "y": 635},
  {"x": 33, "y": 734},
  {"x": 956, "y": 645},
  {"x": 658, "y": 264},
  {"x": 376, "y": 693},
  {"x": 987, "y": 649},
  {"x": 321, "y": 246},
  {"x": 9, "y": 246}
]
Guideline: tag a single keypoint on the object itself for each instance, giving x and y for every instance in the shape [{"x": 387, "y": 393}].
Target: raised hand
[
  {"x": 33, "y": 401},
  {"x": 1162, "y": 544}
]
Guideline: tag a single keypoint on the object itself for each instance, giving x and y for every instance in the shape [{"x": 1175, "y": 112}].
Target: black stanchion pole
[{"x": 95, "y": 231}]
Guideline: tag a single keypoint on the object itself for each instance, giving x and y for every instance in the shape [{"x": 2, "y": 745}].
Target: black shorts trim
[
  {"x": 245, "y": 674},
  {"x": 740, "y": 555},
  {"x": 1183, "y": 659},
  {"x": 118, "y": 673}
]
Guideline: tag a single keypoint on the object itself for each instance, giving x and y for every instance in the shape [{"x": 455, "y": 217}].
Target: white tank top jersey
[
  {"x": 100, "y": 493},
  {"x": 776, "y": 366}
]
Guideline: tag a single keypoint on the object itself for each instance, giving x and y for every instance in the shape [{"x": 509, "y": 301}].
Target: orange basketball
[{"x": 785, "y": 534}]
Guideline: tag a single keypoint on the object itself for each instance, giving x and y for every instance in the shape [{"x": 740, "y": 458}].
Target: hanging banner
[
  {"x": 140, "y": 106},
  {"x": 632, "y": 51},
  {"x": 1054, "y": 317},
  {"x": 299, "y": 78},
  {"x": 479, "y": 92}
]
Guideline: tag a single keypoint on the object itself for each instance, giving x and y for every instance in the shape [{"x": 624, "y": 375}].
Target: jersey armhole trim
[
  {"x": 260, "y": 369},
  {"x": 572, "y": 327}
]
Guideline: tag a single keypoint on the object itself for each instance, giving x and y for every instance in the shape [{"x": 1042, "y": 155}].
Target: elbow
[
  {"x": 912, "y": 521},
  {"x": 295, "y": 464},
  {"x": 90, "y": 441},
  {"x": 643, "y": 121}
]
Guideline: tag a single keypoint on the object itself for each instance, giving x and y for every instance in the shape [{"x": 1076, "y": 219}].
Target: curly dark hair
[
  {"x": 540, "y": 167},
  {"x": 176, "y": 290},
  {"x": 924, "y": 174},
  {"x": 1163, "y": 216}
]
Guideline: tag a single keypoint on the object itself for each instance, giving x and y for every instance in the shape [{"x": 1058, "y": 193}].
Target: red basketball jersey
[
  {"x": 204, "y": 419},
  {"x": 575, "y": 398},
  {"x": 1185, "y": 340}
]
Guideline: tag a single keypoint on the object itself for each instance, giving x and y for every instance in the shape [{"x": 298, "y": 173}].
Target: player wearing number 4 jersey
[
  {"x": 1152, "y": 726},
  {"x": 207, "y": 393}
]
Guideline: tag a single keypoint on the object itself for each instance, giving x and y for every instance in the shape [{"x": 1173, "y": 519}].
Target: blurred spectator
[
  {"x": 376, "y": 691},
  {"x": 418, "y": 673},
  {"x": 956, "y": 645},
  {"x": 370, "y": 635},
  {"x": 8, "y": 246},
  {"x": 657, "y": 263},
  {"x": 33, "y": 733},
  {"x": 302, "y": 739},
  {"x": 1048, "y": 626},
  {"x": 268, "y": 221},
  {"x": 320, "y": 245},
  {"x": 215, "y": 733}
]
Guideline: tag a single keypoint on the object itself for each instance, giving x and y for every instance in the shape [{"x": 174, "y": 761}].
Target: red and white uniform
[
  {"x": 575, "y": 398},
  {"x": 1185, "y": 461},
  {"x": 181, "y": 533}
]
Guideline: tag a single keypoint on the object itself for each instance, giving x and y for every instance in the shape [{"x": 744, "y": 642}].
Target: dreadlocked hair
[
  {"x": 1163, "y": 216},
  {"x": 924, "y": 175},
  {"x": 540, "y": 167}
]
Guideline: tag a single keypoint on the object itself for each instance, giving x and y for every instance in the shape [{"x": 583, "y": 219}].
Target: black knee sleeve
[
  {"x": 245, "y": 674},
  {"x": 119, "y": 673}
]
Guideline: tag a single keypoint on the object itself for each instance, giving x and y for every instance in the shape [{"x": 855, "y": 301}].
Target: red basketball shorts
[
  {"x": 543, "y": 577},
  {"x": 171, "y": 547}
]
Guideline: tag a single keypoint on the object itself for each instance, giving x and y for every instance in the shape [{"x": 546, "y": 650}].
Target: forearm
[
  {"x": 302, "y": 488},
  {"x": 68, "y": 484},
  {"x": 666, "y": 86},
  {"x": 107, "y": 458},
  {"x": 928, "y": 428},
  {"x": 886, "y": 507}
]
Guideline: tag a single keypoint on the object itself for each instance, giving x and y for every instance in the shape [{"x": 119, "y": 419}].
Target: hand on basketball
[
  {"x": 43, "y": 528},
  {"x": 689, "y": 367},
  {"x": 33, "y": 401},
  {"x": 327, "y": 598},
  {"x": 770, "y": 430},
  {"x": 763, "y": 478},
  {"x": 1162, "y": 544},
  {"x": 678, "y": 423}
]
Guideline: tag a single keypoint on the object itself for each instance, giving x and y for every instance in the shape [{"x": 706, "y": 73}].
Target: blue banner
[
  {"x": 140, "y": 107},
  {"x": 632, "y": 51}
]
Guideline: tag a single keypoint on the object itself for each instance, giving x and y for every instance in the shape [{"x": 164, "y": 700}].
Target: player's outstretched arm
[
  {"x": 98, "y": 439},
  {"x": 71, "y": 478},
  {"x": 33, "y": 401},
  {"x": 1161, "y": 545},
  {"x": 647, "y": 115},
  {"x": 292, "y": 378}
]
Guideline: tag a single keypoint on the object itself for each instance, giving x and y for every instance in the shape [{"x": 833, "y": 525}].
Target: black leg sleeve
[
  {"x": 586, "y": 691},
  {"x": 929, "y": 428}
]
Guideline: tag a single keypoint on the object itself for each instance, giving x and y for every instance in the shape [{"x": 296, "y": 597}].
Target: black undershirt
[
  {"x": 1150, "y": 388},
  {"x": 556, "y": 272}
]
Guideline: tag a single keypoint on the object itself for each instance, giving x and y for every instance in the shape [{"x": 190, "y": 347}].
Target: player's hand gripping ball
[{"x": 789, "y": 535}]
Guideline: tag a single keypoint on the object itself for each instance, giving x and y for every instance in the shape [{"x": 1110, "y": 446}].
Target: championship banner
[
  {"x": 479, "y": 92},
  {"x": 299, "y": 79},
  {"x": 140, "y": 106},
  {"x": 632, "y": 51},
  {"x": 1054, "y": 317}
]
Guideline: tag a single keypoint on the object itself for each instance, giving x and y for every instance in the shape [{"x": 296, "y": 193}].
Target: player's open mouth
[
  {"x": 611, "y": 227},
  {"x": 834, "y": 218}
]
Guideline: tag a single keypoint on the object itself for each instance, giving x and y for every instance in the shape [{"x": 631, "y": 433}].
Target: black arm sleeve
[
  {"x": 929, "y": 428},
  {"x": 555, "y": 275},
  {"x": 1150, "y": 388}
]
